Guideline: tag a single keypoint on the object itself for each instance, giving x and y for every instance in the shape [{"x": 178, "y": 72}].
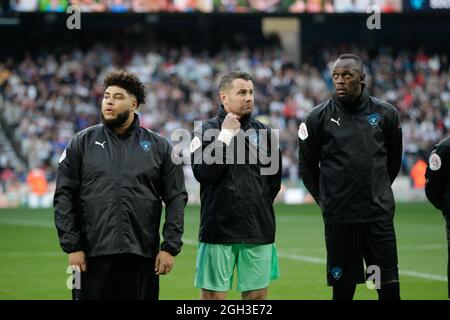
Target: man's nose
[{"x": 340, "y": 80}]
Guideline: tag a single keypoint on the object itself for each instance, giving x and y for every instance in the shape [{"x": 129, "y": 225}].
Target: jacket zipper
[
  {"x": 119, "y": 211},
  {"x": 359, "y": 184}
]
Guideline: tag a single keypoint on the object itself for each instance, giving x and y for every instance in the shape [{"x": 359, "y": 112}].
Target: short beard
[{"x": 118, "y": 121}]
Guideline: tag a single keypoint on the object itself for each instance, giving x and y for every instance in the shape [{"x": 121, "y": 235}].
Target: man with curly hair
[{"x": 112, "y": 179}]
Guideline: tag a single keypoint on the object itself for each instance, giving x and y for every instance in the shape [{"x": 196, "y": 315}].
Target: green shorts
[{"x": 256, "y": 265}]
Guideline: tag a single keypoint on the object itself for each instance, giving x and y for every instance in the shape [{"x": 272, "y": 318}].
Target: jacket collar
[
  {"x": 355, "y": 106},
  {"x": 131, "y": 130},
  {"x": 245, "y": 120}
]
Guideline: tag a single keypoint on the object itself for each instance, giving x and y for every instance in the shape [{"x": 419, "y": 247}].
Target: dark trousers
[
  {"x": 447, "y": 218},
  {"x": 118, "y": 277}
]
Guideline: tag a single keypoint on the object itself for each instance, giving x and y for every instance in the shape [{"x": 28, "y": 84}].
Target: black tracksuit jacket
[
  {"x": 437, "y": 187},
  {"x": 236, "y": 199},
  {"x": 109, "y": 193},
  {"x": 349, "y": 156}
]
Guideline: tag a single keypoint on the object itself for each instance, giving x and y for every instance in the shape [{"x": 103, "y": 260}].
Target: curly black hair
[{"x": 128, "y": 81}]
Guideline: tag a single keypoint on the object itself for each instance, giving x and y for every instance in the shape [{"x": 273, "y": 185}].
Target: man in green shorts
[{"x": 237, "y": 161}]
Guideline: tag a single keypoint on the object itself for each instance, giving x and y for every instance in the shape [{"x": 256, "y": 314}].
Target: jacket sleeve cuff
[
  {"x": 171, "y": 250},
  {"x": 72, "y": 249},
  {"x": 225, "y": 136}
]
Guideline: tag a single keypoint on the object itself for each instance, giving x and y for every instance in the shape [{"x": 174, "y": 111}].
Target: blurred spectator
[
  {"x": 417, "y": 174},
  {"x": 24, "y": 5},
  {"x": 313, "y": 6},
  {"x": 53, "y": 5},
  {"x": 265, "y": 5},
  {"x": 150, "y": 5},
  {"x": 38, "y": 187},
  {"x": 231, "y": 6},
  {"x": 37, "y": 181},
  {"x": 185, "y": 5},
  {"x": 299, "y": 6},
  {"x": 118, "y": 5},
  {"x": 90, "y": 5},
  {"x": 7, "y": 175}
]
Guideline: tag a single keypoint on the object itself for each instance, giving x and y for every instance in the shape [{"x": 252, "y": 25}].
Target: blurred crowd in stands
[
  {"x": 47, "y": 98},
  {"x": 241, "y": 6}
]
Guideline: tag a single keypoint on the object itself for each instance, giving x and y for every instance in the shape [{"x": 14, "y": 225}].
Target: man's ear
[
  {"x": 363, "y": 79},
  {"x": 223, "y": 97}
]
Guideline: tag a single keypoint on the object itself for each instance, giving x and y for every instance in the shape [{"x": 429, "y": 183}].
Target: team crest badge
[
  {"x": 373, "y": 119},
  {"x": 336, "y": 273},
  {"x": 146, "y": 145}
]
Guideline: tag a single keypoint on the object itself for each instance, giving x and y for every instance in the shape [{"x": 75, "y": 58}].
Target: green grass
[{"x": 32, "y": 266}]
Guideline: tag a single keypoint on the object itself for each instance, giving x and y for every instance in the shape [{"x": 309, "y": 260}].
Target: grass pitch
[{"x": 32, "y": 266}]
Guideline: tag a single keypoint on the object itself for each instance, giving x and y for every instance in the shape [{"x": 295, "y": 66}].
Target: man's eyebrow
[
  {"x": 115, "y": 94},
  {"x": 347, "y": 70}
]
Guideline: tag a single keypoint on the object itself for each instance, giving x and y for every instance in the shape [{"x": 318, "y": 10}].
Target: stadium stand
[{"x": 50, "y": 89}]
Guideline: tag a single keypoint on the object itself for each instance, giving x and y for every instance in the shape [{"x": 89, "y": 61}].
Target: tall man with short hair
[
  {"x": 112, "y": 179},
  {"x": 350, "y": 153},
  {"x": 237, "y": 223}
]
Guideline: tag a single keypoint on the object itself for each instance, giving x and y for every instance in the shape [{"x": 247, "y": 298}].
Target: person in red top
[
  {"x": 37, "y": 181},
  {"x": 38, "y": 187},
  {"x": 417, "y": 174}
]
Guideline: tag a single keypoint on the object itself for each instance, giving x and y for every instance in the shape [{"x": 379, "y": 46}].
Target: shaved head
[
  {"x": 348, "y": 77},
  {"x": 349, "y": 60}
]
